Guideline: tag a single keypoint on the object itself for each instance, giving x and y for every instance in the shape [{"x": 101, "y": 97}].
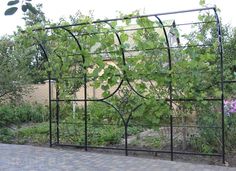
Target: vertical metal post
[
  {"x": 85, "y": 111},
  {"x": 126, "y": 139},
  {"x": 50, "y": 108},
  {"x": 171, "y": 136},
  {"x": 171, "y": 104},
  {"x": 220, "y": 51},
  {"x": 57, "y": 112}
]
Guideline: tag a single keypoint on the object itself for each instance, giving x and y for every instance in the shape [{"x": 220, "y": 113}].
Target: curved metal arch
[
  {"x": 114, "y": 92},
  {"x": 44, "y": 52},
  {"x": 42, "y": 48},
  {"x": 116, "y": 109},
  {"x": 61, "y": 61},
  {"x": 133, "y": 110},
  {"x": 170, "y": 87},
  {"x": 169, "y": 56},
  {"x": 83, "y": 58},
  {"x": 76, "y": 40},
  {"x": 120, "y": 43},
  {"x": 167, "y": 41},
  {"x": 103, "y": 100},
  {"x": 125, "y": 122},
  {"x": 124, "y": 61}
]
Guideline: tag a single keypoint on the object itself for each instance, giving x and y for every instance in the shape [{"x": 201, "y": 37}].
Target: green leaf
[
  {"x": 124, "y": 37},
  {"x": 10, "y": 3},
  {"x": 114, "y": 23},
  {"x": 105, "y": 87},
  {"x": 31, "y": 8},
  {"x": 105, "y": 93},
  {"x": 24, "y": 8},
  {"x": 202, "y": 2},
  {"x": 10, "y": 11},
  {"x": 128, "y": 21}
]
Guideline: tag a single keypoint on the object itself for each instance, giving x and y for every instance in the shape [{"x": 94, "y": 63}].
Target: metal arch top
[{"x": 129, "y": 17}]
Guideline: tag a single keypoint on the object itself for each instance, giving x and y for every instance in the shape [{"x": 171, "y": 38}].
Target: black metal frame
[{"x": 170, "y": 99}]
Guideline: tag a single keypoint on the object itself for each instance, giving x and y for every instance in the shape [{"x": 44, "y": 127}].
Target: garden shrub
[
  {"x": 230, "y": 127},
  {"x": 16, "y": 114},
  {"x": 208, "y": 140},
  {"x": 6, "y": 135},
  {"x": 7, "y": 115}
]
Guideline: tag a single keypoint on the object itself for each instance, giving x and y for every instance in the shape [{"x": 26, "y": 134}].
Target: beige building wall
[{"x": 39, "y": 93}]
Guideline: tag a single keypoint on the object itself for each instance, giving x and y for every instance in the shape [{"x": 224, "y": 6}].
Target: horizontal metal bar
[
  {"x": 196, "y": 126},
  {"x": 167, "y": 126},
  {"x": 132, "y": 17},
  {"x": 200, "y": 154},
  {"x": 121, "y": 30},
  {"x": 176, "y": 152},
  {"x": 141, "y": 50},
  {"x": 229, "y": 81},
  {"x": 143, "y": 125},
  {"x": 141, "y": 150},
  {"x": 195, "y": 23},
  {"x": 94, "y": 100},
  {"x": 145, "y": 150},
  {"x": 144, "y": 28},
  {"x": 81, "y": 146},
  {"x": 186, "y": 99},
  {"x": 76, "y": 123}
]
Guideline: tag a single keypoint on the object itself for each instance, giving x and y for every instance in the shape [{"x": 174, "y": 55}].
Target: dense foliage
[
  {"x": 13, "y": 75},
  {"x": 16, "y": 114}
]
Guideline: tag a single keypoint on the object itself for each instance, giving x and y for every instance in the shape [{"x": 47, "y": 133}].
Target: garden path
[{"x": 31, "y": 158}]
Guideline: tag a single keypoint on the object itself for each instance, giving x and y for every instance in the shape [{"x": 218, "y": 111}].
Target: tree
[
  {"x": 34, "y": 56},
  {"x": 13, "y": 75},
  {"x": 22, "y": 62}
]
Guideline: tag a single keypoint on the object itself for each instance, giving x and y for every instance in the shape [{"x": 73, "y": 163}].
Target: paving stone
[{"x": 31, "y": 158}]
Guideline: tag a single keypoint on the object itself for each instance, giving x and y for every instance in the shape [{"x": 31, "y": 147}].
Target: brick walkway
[{"x": 29, "y": 158}]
